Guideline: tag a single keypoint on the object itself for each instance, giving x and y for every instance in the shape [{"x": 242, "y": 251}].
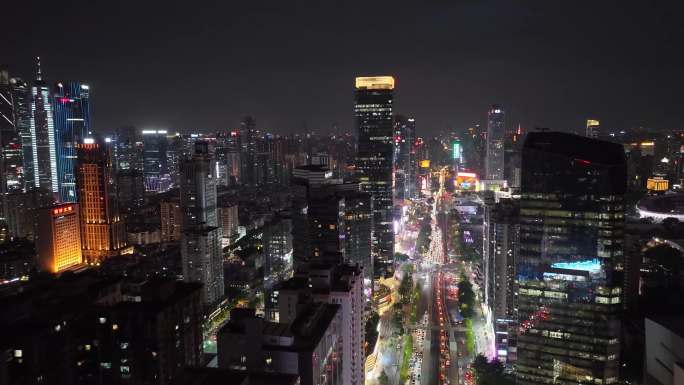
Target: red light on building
[{"x": 582, "y": 161}]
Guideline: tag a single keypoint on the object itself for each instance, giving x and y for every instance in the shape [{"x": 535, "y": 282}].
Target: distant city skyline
[{"x": 552, "y": 65}]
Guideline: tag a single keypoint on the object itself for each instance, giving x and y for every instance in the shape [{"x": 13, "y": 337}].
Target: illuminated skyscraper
[
  {"x": 593, "y": 128},
  {"x": 22, "y": 118},
  {"x": 571, "y": 248},
  {"x": 11, "y": 167},
  {"x": 102, "y": 228},
  {"x": 43, "y": 138},
  {"x": 72, "y": 124},
  {"x": 59, "y": 238},
  {"x": 404, "y": 157},
  {"x": 496, "y": 131},
  {"x": 247, "y": 142},
  {"x": 155, "y": 167},
  {"x": 201, "y": 236},
  {"x": 375, "y": 158}
]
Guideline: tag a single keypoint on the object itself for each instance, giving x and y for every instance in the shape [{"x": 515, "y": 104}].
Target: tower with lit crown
[{"x": 375, "y": 158}]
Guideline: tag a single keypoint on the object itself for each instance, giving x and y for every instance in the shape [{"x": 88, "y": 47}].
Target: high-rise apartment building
[
  {"x": 309, "y": 347},
  {"x": 593, "y": 128},
  {"x": 334, "y": 284},
  {"x": 102, "y": 229},
  {"x": 496, "y": 131},
  {"x": 228, "y": 219},
  {"x": 375, "y": 158},
  {"x": 201, "y": 249},
  {"x": 171, "y": 218},
  {"x": 58, "y": 242},
  {"x": 358, "y": 220},
  {"x": 71, "y": 104},
  {"x": 155, "y": 164},
  {"x": 500, "y": 243},
  {"x": 571, "y": 247},
  {"x": 277, "y": 265},
  {"x": 43, "y": 139},
  {"x": 198, "y": 188}
]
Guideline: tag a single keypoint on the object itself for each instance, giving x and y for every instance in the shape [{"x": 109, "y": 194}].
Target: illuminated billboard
[
  {"x": 425, "y": 163},
  {"x": 467, "y": 181}
]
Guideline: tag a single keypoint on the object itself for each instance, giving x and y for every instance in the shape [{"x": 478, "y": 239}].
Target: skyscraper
[
  {"x": 102, "y": 228},
  {"x": 22, "y": 119},
  {"x": 375, "y": 158},
  {"x": 571, "y": 245},
  {"x": 593, "y": 128},
  {"x": 247, "y": 142},
  {"x": 201, "y": 236},
  {"x": 72, "y": 124},
  {"x": 500, "y": 242},
  {"x": 404, "y": 157},
  {"x": 496, "y": 131},
  {"x": 43, "y": 138},
  {"x": 11, "y": 162},
  {"x": 58, "y": 244},
  {"x": 155, "y": 168}
]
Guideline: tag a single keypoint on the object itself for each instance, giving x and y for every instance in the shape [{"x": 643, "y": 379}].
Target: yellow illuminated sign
[
  {"x": 592, "y": 123},
  {"x": 657, "y": 184},
  {"x": 425, "y": 163},
  {"x": 375, "y": 82}
]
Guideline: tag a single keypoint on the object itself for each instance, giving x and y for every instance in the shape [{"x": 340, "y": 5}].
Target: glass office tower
[
  {"x": 496, "y": 130},
  {"x": 72, "y": 124},
  {"x": 155, "y": 163},
  {"x": 43, "y": 138},
  {"x": 375, "y": 158},
  {"x": 571, "y": 246}
]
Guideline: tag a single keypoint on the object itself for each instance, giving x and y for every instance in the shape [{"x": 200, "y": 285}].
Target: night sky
[{"x": 200, "y": 65}]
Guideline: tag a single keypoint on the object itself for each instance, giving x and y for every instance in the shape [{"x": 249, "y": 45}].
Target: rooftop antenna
[{"x": 39, "y": 74}]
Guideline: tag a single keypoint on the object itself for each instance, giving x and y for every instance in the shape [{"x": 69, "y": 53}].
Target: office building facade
[
  {"x": 71, "y": 103},
  {"x": 155, "y": 163},
  {"x": 58, "y": 243},
  {"x": 404, "y": 157},
  {"x": 43, "y": 141},
  {"x": 496, "y": 131},
  {"x": 103, "y": 231},
  {"x": 571, "y": 245},
  {"x": 22, "y": 119},
  {"x": 375, "y": 158}
]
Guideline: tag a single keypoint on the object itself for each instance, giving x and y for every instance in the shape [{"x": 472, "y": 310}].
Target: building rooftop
[
  {"x": 674, "y": 324},
  {"x": 575, "y": 146}
]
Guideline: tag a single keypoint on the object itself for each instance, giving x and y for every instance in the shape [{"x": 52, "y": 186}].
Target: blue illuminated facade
[{"x": 71, "y": 103}]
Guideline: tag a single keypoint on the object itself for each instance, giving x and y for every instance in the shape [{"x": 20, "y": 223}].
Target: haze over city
[{"x": 204, "y": 65}]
